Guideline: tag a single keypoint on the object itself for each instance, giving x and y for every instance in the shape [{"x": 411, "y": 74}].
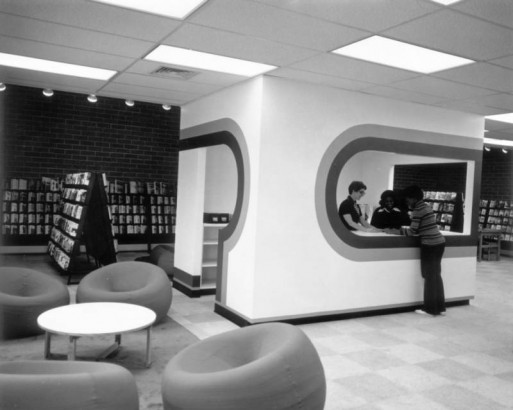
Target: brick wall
[
  {"x": 66, "y": 133},
  {"x": 497, "y": 176},
  {"x": 432, "y": 177}
]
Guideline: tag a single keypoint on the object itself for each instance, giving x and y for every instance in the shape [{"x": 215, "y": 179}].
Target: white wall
[
  {"x": 282, "y": 265},
  {"x": 189, "y": 210},
  {"x": 243, "y": 104},
  {"x": 220, "y": 180}
]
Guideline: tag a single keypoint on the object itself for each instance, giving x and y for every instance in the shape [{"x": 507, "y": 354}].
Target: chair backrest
[
  {"x": 123, "y": 276},
  {"x": 19, "y": 281}
]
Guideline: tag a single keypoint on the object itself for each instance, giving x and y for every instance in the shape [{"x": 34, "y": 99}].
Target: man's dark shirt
[{"x": 348, "y": 206}]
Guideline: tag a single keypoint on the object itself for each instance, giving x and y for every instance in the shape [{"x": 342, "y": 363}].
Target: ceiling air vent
[{"x": 171, "y": 72}]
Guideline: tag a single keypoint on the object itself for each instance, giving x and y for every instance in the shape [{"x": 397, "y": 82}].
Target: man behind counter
[{"x": 349, "y": 211}]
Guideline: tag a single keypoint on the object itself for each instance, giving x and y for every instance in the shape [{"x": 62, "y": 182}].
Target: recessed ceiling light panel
[
  {"x": 496, "y": 142},
  {"x": 446, "y": 2},
  {"x": 501, "y": 117},
  {"x": 207, "y": 61},
  {"x": 177, "y": 9},
  {"x": 397, "y": 54},
  {"x": 54, "y": 67}
]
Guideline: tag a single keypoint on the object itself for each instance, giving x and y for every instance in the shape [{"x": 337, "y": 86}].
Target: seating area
[{"x": 272, "y": 365}]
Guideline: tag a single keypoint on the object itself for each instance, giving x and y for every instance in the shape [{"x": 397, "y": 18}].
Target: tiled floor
[{"x": 401, "y": 361}]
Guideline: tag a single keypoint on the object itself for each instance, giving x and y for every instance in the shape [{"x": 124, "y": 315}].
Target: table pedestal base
[{"x": 114, "y": 348}]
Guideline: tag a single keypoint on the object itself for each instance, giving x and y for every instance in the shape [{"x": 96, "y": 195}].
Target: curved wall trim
[
  {"x": 224, "y": 131},
  {"x": 396, "y": 140}
]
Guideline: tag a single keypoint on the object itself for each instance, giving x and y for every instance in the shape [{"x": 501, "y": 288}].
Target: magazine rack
[{"x": 83, "y": 219}]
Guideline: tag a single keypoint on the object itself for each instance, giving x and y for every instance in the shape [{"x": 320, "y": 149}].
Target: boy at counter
[
  {"x": 432, "y": 246},
  {"x": 349, "y": 211}
]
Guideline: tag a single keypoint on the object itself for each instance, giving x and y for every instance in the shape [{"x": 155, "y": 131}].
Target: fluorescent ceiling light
[
  {"x": 47, "y": 66},
  {"x": 446, "y": 2},
  {"x": 501, "y": 117},
  {"x": 177, "y": 9},
  {"x": 496, "y": 142},
  {"x": 394, "y": 53},
  {"x": 207, "y": 61}
]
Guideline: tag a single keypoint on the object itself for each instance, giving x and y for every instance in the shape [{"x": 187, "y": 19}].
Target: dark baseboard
[
  {"x": 242, "y": 322},
  {"x": 192, "y": 292}
]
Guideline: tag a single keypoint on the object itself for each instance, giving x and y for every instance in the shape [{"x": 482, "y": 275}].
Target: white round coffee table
[{"x": 93, "y": 319}]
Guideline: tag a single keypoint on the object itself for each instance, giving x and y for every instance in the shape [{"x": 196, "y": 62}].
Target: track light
[
  {"x": 2, "y": 87},
  {"x": 166, "y": 107},
  {"x": 47, "y": 92},
  {"x": 92, "y": 98},
  {"x": 504, "y": 150},
  {"x": 130, "y": 103},
  {"x": 487, "y": 149}
]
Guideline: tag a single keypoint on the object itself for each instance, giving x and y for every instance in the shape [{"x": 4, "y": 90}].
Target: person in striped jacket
[{"x": 432, "y": 246}]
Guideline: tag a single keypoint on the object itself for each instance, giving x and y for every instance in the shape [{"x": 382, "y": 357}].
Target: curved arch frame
[{"x": 224, "y": 132}]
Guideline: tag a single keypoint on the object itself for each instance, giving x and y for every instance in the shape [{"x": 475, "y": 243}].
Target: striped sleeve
[{"x": 423, "y": 224}]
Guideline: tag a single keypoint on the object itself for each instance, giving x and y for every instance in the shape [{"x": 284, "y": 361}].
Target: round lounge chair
[
  {"x": 24, "y": 295},
  {"x": 266, "y": 366},
  {"x": 139, "y": 283},
  {"x": 63, "y": 385}
]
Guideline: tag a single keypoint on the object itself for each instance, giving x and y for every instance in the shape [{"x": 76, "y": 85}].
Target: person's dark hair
[
  {"x": 356, "y": 186},
  {"x": 387, "y": 194},
  {"x": 413, "y": 191}
]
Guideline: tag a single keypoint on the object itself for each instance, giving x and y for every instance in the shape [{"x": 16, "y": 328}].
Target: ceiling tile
[
  {"x": 59, "y": 34},
  {"x": 497, "y": 11},
  {"x": 403, "y": 95},
  {"x": 370, "y": 15},
  {"x": 497, "y": 125},
  {"x": 271, "y": 23},
  {"x": 93, "y": 16},
  {"x": 481, "y": 75},
  {"x": 146, "y": 98},
  {"x": 204, "y": 77},
  {"x": 349, "y": 68},
  {"x": 506, "y": 62},
  {"x": 237, "y": 45},
  {"x": 63, "y": 54},
  {"x": 441, "y": 88},
  {"x": 502, "y": 135},
  {"x": 136, "y": 92},
  {"x": 165, "y": 83},
  {"x": 458, "y": 34},
  {"x": 322, "y": 79},
  {"x": 465, "y": 106},
  {"x": 500, "y": 101}
]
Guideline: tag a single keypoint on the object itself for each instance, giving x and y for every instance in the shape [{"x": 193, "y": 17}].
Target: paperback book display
[
  {"x": 83, "y": 219},
  {"x": 448, "y": 208},
  {"x": 29, "y": 209},
  {"x": 142, "y": 211},
  {"x": 497, "y": 215}
]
